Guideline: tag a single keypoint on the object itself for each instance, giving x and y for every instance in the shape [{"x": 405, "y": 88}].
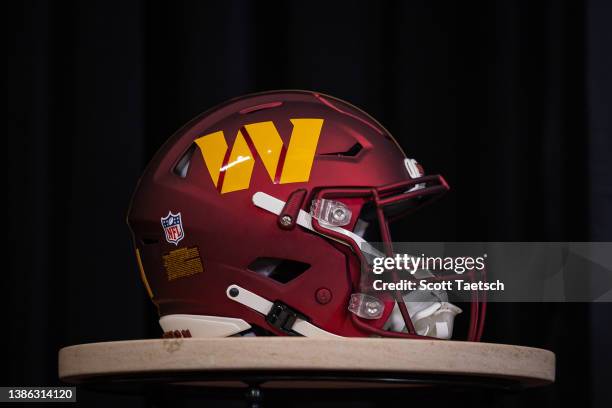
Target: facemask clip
[
  {"x": 330, "y": 212},
  {"x": 366, "y": 306}
]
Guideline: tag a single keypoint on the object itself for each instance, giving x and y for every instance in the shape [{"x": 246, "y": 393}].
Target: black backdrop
[{"x": 510, "y": 100}]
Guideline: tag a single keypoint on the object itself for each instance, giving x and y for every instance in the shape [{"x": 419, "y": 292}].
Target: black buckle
[{"x": 283, "y": 318}]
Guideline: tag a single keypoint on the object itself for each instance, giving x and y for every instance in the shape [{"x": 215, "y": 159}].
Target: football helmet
[{"x": 258, "y": 217}]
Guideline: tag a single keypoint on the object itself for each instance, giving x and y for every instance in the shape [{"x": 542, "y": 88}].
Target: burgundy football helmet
[{"x": 258, "y": 217}]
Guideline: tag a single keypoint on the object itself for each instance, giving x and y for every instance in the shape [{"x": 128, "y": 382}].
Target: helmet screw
[
  {"x": 323, "y": 296},
  {"x": 285, "y": 220},
  {"x": 233, "y": 292}
]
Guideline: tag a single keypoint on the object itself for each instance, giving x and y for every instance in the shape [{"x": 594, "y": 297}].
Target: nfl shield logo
[{"x": 173, "y": 227}]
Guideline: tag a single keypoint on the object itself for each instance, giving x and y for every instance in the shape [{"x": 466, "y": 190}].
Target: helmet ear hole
[{"x": 279, "y": 270}]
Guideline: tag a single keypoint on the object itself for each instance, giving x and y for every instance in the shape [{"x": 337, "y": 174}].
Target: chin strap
[
  {"x": 277, "y": 314},
  {"x": 304, "y": 219}
]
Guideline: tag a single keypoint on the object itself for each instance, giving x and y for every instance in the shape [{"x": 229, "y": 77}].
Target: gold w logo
[{"x": 232, "y": 170}]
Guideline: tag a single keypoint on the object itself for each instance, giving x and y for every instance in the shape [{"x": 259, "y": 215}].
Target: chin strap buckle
[{"x": 283, "y": 318}]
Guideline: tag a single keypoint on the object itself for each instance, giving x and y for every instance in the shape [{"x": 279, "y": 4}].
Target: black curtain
[{"x": 510, "y": 100}]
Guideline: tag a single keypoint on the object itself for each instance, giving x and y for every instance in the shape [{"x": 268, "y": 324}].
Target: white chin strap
[
  {"x": 264, "y": 306},
  {"x": 183, "y": 325},
  {"x": 304, "y": 219}
]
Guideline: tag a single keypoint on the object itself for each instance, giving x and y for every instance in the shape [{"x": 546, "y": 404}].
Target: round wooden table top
[{"x": 297, "y": 362}]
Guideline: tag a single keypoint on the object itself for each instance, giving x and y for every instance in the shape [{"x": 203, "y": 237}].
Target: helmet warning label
[{"x": 182, "y": 262}]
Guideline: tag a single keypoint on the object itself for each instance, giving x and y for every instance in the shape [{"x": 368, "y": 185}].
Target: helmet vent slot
[
  {"x": 182, "y": 166},
  {"x": 351, "y": 152},
  {"x": 280, "y": 270}
]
